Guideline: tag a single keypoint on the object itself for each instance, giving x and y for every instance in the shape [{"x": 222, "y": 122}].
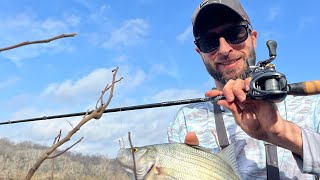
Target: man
[{"x": 225, "y": 41}]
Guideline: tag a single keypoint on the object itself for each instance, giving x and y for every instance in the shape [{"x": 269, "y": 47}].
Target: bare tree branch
[
  {"x": 70, "y": 123},
  {"x": 38, "y": 41},
  {"x": 96, "y": 114},
  {"x": 59, "y": 154},
  {"x": 133, "y": 157},
  {"x": 56, "y": 139}
]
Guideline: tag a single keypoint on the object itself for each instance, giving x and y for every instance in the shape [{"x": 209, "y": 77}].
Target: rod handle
[{"x": 304, "y": 88}]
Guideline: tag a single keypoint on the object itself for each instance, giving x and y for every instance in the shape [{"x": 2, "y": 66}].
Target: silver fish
[{"x": 179, "y": 161}]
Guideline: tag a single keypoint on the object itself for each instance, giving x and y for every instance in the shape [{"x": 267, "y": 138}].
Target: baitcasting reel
[{"x": 267, "y": 83}]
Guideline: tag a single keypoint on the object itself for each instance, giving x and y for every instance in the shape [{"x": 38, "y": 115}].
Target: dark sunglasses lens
[
  {"x": 208, "y": 44},
  {"x": 237, "y": 35}
]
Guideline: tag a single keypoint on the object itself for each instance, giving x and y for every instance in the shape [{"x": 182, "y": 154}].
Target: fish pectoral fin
[
  {"x": 164, "y": 171},
  {"x": 161, "y": 172}
]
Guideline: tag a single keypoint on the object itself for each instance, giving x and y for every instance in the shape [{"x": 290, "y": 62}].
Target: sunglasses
[{"x": 210, "y": 41}]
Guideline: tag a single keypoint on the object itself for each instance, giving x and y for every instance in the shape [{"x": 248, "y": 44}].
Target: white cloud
[
  {"x": 88, "y": 86},
  {"x": 274, "y": 13},
  {"x": 131, "y": 33},
  {"x": 267, "y": 35},
  {"x": 9, "y": 82},
  {"x": 99, "y": 14},
  {"x": 176, "y": 94},
  {"x": 185, "y": 35},
  {"x": 306, "y": 21},
  {"x": 170, "y": 69},
  {"x": 121, "y": 59},
  {"x": 73, "y": 20},
  {"x": 26, "y": 112},
  {"x": 133, "y": 78}
]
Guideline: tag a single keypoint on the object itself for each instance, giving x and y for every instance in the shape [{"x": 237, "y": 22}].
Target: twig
[
  {"x": 99, "y": 110},
  {"x": 59, "y": 154},
  {"x": 133, "y": 157},
  {"x": 96, "y": 114},
  {"x": 38, "y": 41},
  {"x": 104, "y": 91},
  {"x": 70, "y": 123},
  {"x": 56, "y": 139}
]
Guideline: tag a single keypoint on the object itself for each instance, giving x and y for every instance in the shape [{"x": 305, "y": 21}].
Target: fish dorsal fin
[{"x": 229, "y": 156}]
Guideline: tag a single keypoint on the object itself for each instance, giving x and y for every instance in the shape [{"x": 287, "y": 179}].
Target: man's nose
[{"x": 224, "y": 47}]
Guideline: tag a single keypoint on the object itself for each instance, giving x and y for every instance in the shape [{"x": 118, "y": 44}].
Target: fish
[{"x": 179, "y": 161}]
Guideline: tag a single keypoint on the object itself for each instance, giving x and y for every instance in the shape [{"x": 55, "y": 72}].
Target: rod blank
[
  {"x": 119, "y": 109},
  {"x": 296, "y": 89}
]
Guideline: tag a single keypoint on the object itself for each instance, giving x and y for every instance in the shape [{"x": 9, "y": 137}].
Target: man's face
[{"x": 228, "y": 61}]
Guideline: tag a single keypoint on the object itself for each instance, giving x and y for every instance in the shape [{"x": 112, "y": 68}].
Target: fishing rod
[
  {"x": 266, "y": 84},
  {"x": 296, "y": 89},
  {"x": 121, "y": 109}
]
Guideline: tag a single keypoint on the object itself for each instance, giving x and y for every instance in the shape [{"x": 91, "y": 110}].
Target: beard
[{"x": 236, "y": 74}]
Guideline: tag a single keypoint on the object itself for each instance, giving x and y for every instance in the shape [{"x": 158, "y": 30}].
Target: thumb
[{"x": 191, "y": 139}]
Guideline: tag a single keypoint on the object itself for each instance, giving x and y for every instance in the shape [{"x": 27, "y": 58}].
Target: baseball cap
[{"x": 211, "y": 13}]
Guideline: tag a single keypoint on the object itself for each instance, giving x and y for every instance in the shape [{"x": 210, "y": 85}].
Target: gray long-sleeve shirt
[{"x": 250, "y": 153}]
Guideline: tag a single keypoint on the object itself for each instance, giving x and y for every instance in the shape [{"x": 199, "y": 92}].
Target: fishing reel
[{"x": 267, "y": 83}]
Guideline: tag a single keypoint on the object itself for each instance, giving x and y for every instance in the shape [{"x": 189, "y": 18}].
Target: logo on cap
[
  {"x": 203, "y": 3},
  {"x": 206, "y": 2}
]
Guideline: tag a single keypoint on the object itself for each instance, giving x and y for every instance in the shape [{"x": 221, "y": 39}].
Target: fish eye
[{"x": 134, "y": 149}]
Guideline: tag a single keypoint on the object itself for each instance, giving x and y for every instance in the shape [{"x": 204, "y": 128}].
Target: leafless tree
[{"x": 95, "y": 114}]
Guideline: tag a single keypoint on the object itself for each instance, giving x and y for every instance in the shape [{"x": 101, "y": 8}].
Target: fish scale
[
  {"x": 196, "y": 163},
  {"x": 180, "y": 161}
]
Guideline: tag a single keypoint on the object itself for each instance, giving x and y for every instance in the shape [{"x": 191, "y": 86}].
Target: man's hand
[{"x": 259, "y": 119}]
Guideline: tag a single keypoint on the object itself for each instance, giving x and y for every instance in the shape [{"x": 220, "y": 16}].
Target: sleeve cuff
[{"x": 311, "y": 152}]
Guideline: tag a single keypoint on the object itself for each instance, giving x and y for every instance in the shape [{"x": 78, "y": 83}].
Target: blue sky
[{"x": 151, "y": 42}]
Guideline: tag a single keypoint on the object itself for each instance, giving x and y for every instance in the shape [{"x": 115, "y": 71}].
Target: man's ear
[
  {"x": 198, "y": 50},
  {"x": 254, "y": 36}
]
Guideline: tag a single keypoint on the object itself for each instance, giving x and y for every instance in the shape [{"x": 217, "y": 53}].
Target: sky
[{"x": 150, "y": 41}]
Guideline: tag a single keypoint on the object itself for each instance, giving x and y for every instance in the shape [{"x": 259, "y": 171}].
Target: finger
[
  {"x": 247, "y": 82},
  {"x": 228, "y": 91},
  {"x": 191, "y": 139},
  {"x": 213, "y": 93},
  {"x": 234, "y": 108},
  {"x": 239, "y": 90}
]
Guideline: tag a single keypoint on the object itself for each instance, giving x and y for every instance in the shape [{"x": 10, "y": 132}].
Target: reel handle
[{"x": 272, "y": 47}]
